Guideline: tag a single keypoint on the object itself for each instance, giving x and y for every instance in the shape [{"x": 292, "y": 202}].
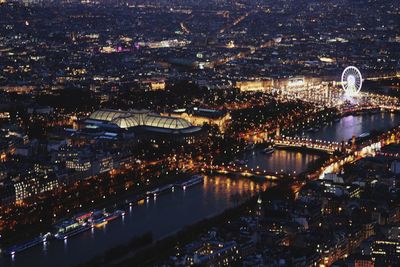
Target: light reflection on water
[
  {"x": 174, "y": 210},
  {"x": 167, "y": 213},
  {"x": 348, "y": 126},
  {"x": 280, "y": 161}
]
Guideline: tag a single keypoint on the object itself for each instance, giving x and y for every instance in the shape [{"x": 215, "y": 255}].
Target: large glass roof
[
  {"x": 107, "y": 114},
  {"x": 125, "y": 122},
  {"x": 128, "y": 119},
  {"x": 166, "y": 122}
]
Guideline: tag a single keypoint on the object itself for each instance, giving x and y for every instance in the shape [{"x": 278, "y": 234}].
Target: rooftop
[{"x": 133, "y": 118}]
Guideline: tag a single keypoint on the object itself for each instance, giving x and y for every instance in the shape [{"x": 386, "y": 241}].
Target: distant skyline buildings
[{"x": 229, "y": 121}]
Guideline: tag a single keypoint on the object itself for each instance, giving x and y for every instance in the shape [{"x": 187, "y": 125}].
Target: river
[
  {"x": 161, "y": 216},
  {"x": 351, "y": 125},
  {"x": 164, "y": 215},
  {"x": 286, "y": 161}
]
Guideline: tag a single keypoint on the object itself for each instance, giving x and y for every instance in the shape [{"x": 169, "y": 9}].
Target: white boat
[{"x": 196, "y": 179}]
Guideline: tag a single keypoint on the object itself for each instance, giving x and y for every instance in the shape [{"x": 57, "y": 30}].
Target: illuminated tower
[
  {"x": 278, "y": 133},
  {"x": 393, "y": 138},
  {"x": 343, "y": 146},
  {"x": 353, "y": 143}
]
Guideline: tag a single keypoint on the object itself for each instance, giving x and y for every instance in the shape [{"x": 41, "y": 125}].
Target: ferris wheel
[{"x": 351, "y": 81}]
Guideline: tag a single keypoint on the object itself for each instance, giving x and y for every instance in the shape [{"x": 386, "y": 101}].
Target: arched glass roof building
[
  {"x": 167, "y": 122},
  {"x": 141, "y": 119},
  {"x": 106, "y": 114},
  {"x": 125, "y": 122}
]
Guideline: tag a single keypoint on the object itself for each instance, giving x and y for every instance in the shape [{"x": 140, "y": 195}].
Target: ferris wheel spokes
[{"x": 351, "y": 81}]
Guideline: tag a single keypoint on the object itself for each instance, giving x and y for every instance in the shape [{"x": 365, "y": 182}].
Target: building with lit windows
[
  {"x": 80, "y": 164},
  {"x": 255, "y": 86},
  {"x": 143, "y": 123},
  {"x": 85, "y": 160},
  {"x": 34, "y": 184},
  {"x": 153, "y": 84},
  {"x": 386, "y": 252},
  {"x": 214, "y": 253},
  {"x": 306, "y": 88}
]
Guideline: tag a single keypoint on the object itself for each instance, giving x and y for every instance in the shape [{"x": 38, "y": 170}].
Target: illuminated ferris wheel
[{"x": 351, "y": 81}]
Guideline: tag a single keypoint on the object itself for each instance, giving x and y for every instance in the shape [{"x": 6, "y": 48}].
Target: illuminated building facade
[
  {"x": 313, "y": 90},
  {"x": 153, "y": 84},
  {"x": 18, "y": 89},
  {"x": 255, "y": 86},
  {"x": 200, "y": 116},
  {"x": 309, "y": 89}
]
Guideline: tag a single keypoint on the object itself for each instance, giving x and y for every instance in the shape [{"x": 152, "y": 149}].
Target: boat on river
[
  {"x": 268, "y": 150},
  {"x": 194, "y": 180},
  {"x": 160, "y": 190},
  {"x": 71, "y": 228},
  {"x": 11, "y": 251},
  {"x": 114, "y": 215}
]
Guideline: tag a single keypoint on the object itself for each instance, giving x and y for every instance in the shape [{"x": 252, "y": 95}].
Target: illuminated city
[{"x": 200, "y": 133}]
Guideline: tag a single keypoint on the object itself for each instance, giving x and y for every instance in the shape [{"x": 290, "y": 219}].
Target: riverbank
[
  {"x": 162, "y": 248},
  {"x": 355, "y": 125},
  {"x": 161, "y": 216},
  {"x": 113, "y": 201},
  {"x": 109, "y": 256}
]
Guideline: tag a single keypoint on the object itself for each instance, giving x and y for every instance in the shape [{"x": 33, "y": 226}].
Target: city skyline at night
[{"x": 199, "y": 133}]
